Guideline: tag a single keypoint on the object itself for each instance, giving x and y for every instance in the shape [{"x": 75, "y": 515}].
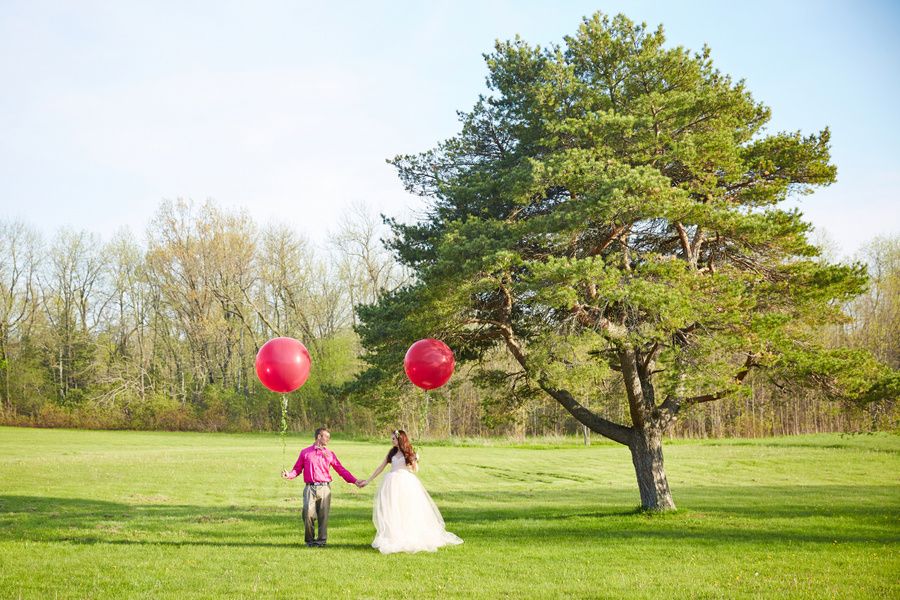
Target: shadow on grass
[
  {"x": 757, "y": 515},
  {"x": 212, "y": 543}
]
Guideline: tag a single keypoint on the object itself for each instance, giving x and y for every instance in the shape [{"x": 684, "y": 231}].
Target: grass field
[{"x": 179, "y": 515}]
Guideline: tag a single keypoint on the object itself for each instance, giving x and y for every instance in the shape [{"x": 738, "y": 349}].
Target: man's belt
[{"x": 319, "y": 483}]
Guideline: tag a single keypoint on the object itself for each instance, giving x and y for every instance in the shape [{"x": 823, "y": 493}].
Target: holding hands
[{"x": 292, "y": 474}]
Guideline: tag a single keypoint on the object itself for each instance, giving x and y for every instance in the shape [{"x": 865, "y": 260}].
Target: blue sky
[{"x": 289, "y": 109}]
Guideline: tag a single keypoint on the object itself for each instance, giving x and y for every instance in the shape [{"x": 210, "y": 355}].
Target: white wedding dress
[{"x": 406, "y": 518}]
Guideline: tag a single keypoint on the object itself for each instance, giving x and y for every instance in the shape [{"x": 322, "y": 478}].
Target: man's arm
[
  {"x": 348, "y": 477},
  {"x": 297, "y": 470}
]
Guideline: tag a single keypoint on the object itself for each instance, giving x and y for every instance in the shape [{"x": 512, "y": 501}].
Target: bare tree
[
  {"x": 202, "y": 260},
  {"x": 176, "y": 261},
  {"x": 876, "y": 323},
  {"x": 73, "y": 306},
  {"x": 19, "y": 247},
  {"x": 366, "y": 267},
  {"x": 127, "y": 320}
]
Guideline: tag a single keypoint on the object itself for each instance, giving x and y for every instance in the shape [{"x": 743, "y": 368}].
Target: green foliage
[{"x": 614, "y": 194}]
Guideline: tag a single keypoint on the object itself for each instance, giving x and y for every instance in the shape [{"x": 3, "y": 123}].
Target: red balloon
[
  {"x": 282, "y": 364},
  {"x": 429, "y": 363}
]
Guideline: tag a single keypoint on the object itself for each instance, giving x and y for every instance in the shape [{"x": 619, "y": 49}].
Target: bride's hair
[{"x": 403, "y": 446}]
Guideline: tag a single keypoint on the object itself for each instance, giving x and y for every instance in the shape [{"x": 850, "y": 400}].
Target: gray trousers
[{"x": 316, "y": 505}]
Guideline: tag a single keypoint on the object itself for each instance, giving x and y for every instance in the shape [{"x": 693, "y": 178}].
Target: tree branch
[
  {"x": 583, "y": 312},
  {"x": 685, "y": 244},
  {"x": 651, "y": 356},
  {"x": 637, "y": 404},
  {"x": 613, "y": 236},
  {"x": 696, "y": 245},
  {"x": 739, "y": 377},
  {"x": 259, "y": 314},
  {"x": 594, "y": 422},
  {"x": 671, "y": 405}
]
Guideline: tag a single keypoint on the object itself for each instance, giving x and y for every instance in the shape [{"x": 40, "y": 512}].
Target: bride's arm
[{"x": 377, "y": 472}]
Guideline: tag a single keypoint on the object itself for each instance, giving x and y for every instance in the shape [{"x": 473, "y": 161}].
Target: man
[{"x": 315, "y": 463}]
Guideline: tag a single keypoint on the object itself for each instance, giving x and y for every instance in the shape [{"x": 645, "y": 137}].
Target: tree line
[{"x": 161, "y": 333}]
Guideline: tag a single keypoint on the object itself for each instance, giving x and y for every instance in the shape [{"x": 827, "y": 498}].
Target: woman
[{"x": 406, "y": 518}]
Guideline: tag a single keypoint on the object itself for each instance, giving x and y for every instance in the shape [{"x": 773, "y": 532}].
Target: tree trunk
[
  {"x": 6, "y": 370},
  {"x": 647, "y": 456}
]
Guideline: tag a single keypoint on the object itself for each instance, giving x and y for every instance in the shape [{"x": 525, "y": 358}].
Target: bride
[{"x": 406, "y": 518}]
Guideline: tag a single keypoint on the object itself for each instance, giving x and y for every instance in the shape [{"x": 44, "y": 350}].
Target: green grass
[{"x": 177, "y": 515}]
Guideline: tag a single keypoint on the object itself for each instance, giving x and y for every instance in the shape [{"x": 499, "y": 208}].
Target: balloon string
[
  {"x": 284, "y": 403},
  {"x": 425, "y": 395}
]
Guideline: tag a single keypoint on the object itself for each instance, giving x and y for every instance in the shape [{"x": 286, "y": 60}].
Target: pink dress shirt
[{"x": 315, "y": 463}]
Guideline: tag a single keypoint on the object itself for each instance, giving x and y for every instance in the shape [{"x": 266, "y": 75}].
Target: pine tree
[{"x": 611, "y": 210}]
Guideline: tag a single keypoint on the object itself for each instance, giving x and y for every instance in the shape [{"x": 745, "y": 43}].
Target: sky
[{"x": 289, "y": 109}]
